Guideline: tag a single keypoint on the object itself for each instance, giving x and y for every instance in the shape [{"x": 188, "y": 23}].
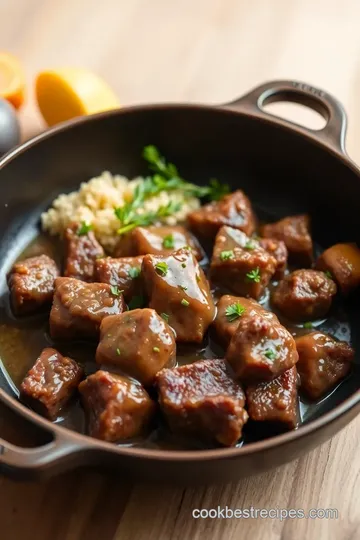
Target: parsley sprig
[
  {"x": 254, "y": 275},
  {"x": 234, "y": 311},
  {"x": 165, "y": 178}
]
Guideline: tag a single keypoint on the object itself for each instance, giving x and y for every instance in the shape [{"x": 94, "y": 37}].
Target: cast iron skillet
[{"x": 284, "y": 168}]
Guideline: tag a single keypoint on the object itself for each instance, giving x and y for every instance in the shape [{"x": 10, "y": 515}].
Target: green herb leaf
[
  {"x": 168, "y": 242},
  {"x": 84, "y": 228},
  {"x": 118, "y": 351},
  {"x": 254, "y": 275},
  {"x": 226, "y": 255},
  {"x": 162, "y": 268},
  {"x": 183, "y": 288},
  {"x": 183, "y": 265},
  {"x": 249, "y": 245},
  {"x": 136, "y": 302},
  {"x": 328, "y": 274},
  {"x": 307, "y": 325},
  {"x": 134, "y": 272},
  {"x": 270, "y": 354},
  {"x": 165, "y": 316},
  {"x": 234, "y": 311},
  {"x": 185, "y": 302},
  {"x": 156, "y": 349},
  {"x": 115, "y": 290}
]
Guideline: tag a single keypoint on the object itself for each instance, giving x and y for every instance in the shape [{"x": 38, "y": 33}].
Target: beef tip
[
  {"x": 124, "y": 273},
  {"x": 261, "y": 348},
  {"x": 342, "y": 261},
  {"x": 234, "y": 210},
  {"x": 82, "y": 250},
  {"x": 50, "y": 383},
  {"x": 240, "y": 264},
  {"x": 203, "y": 400},
  {"x": 139, "y": 342},
  {"x": 304, "y": 294},
  {"x": 275, "y": 401},
  {"x": 323, "y": 362},
  {"x": 117, "y": 408},
  {"x": 157, "y": 241},
  {"x": 229, "y": 310},
  {"x": 179, "y": 292},
  {"x": 78, "y": 308},
  {"x": 31, "y": 284},
  {"x": 295, "y": 233},
  {"x": 278, "y": 250}
]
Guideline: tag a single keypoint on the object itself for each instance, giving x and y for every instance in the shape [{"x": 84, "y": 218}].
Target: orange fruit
[{"x": 12, "y": 79}]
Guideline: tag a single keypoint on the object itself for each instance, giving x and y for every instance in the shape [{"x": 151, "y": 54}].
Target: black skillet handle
[
  {"x": 62, "y": 453},
  {"x": 333, "y": 134}
]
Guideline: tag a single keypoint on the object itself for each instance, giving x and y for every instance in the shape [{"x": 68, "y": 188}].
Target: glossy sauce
[{"x": 22, "y": 340}]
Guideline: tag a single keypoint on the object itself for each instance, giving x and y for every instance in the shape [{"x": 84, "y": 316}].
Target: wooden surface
[{"x": 205, "y": 51}]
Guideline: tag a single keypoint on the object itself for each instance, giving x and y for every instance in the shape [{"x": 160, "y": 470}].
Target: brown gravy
[{"x": 22, "y": 339}]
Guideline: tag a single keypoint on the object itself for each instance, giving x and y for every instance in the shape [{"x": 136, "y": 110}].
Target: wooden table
[{"x": 205, "y": 51}]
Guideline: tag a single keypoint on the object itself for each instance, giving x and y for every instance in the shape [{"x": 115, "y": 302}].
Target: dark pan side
[{"x": 284, "y": 168}]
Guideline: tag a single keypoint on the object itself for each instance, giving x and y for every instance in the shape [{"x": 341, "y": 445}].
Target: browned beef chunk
[
  {"x": 31, "y": 284},
  {"x": 124, "y": 273},
  {"x": 295, "y": 233},
  {"x": 78, "y": 308},
  {"x": 50, "y": 383},
  {"x": 157, "y": 241},
  {"x": 234, "y": 210},
  {"x": 82, "y": 250},
  {"x": 323, "y": 362},
  {"x": 203, "y": 400},
  {"x": 179, "y": 292},
  {"x": 343, "y": 263},
  {"x": 229, "y": 311},
  {"x": 275, "y": 401},
  {"x": 261, "y": 348},
  {"x": 139, "y": 342},
  {"x": 304, "y": 295},
  {"x": 278, "y": 250},
  {"x": 240, "y": 264},
  {"x": 117, "y": 408}
]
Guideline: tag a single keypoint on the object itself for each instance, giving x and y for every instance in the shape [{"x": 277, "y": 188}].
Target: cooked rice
[{"x": 95, "y": 202}]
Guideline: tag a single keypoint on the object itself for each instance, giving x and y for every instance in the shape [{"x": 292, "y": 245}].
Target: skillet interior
[{"x": 280, "y": 171}]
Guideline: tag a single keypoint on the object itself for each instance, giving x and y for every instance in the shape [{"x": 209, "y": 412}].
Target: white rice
[{"x": 95, "y": 201}]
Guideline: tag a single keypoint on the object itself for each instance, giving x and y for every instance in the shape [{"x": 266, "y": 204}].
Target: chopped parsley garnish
[
  {"x": 162, "y": 268},
  {"x": 254, "y": 275},
  {"x": 249, "y": 245},
  {"x": 183, "y": 288},
  {"x": 136, "y": 302},
  {"x": 118, "y": 351},
  {"x": 115, "y": 290},
  {"x": 84, "y": 228},
  {"x": 156, "y": 349},
  {"x": 165, "y": 316},
  {"x": 270, "y": 354},
  {"x": 168, "y": 242},
  {"x": 185, "y": 302},
  {"x": 183, "y": 265},
  {"x": 329, "y": 274},
  {"x": 307, "y": 325},
  {"x": 234, "y": 311},
  {"x": 226, "y": 255},
  {"x": 134, "y": 272}
]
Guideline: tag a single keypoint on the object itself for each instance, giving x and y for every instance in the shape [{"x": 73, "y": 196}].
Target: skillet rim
[{"x": 84, "y": 442}]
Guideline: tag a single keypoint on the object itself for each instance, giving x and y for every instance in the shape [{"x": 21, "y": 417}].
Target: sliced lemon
[
  {"x": 12, "y": 79},
  {"x": 65, "y": 93}
]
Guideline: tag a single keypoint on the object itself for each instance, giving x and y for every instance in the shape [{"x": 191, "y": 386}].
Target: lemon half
[{"x": 63, "y": 94}]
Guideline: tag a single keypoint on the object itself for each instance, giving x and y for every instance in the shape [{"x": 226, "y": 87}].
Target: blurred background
[{"x": 208, "y": 51}]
